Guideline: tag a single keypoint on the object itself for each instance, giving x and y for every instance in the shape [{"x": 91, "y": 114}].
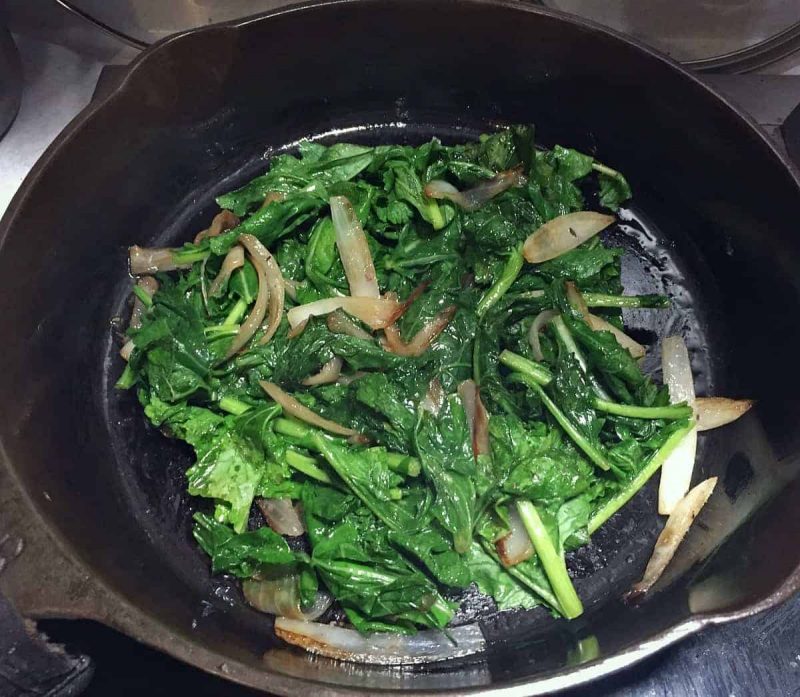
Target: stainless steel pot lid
[
  {"x": 735, "y": 35},
  {"x": 730, "y": 35}
]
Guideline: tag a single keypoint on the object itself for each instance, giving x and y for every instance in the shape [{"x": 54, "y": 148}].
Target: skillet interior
[{"x": 192, "y": 122}]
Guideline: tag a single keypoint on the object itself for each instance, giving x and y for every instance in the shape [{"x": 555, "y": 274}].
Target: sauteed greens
[{"x": 414, "y": 358}]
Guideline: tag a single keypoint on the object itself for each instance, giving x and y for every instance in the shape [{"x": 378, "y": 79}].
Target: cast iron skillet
[{"x": 97, "y": 497}]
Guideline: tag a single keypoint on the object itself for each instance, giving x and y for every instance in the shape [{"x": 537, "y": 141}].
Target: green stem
[
  {"x": 233, "y": 405},
  {"x": 127, "y": 379},
  {"x": 569, "y": 343},
  {"x": 501, "y": 285},
  {"x": 619, "y": 500},
  {"x": 673, "y": 411},
  {"x": 604, "y": 300},
  {"x": 183, "y": 257},
  {"x": 535, "y": 371},
  {"x": 419, "y": 261},
  {"x": 605, "y": 169},
  {"x": 143, "y": 295},
  {"x": 221, "y": 330},
  {"x": 435, "y": 214},
  {"x": 552, "y": 561},
  {"x": 403, "y": 464},
  {"x": 236, "y": 313},
  {"x": 395, "y": 494},
  {"x": 302, "y": 435},
  {"x": 514, "y": 571},
  {"x": 307, "y": 465},
  {"x": 588, "y": 448}
]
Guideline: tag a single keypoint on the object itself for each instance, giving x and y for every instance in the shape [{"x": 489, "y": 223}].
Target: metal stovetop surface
[{"x": 62, "y": 61}]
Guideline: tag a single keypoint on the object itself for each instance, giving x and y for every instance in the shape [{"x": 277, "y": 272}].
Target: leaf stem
[
  {"x": 236, "y": 313},
  {"x": 535, "y": 371},
  {"x": 552, "y": 561},
  {"x": 673, "y": 411},
  {"x": 233, "y": 405},
  {"x": 656, "y": 460},
  {"x": 604, "y": 300},
  {"x": 306, "y": 465},
  {"x": 507, "y": 277}
]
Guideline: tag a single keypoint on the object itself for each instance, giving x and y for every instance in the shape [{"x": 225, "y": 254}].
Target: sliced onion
[
  {"x": 298, "y": 330},
  {"x": 127, "y": 349},
  {"x": 678, "y": 524},
  {"x": 422, "y": 339},
  {"x": 676, "y": 472},
  {"x": 347, "y": 379},
  {"x": 713, "y": 412},
  {"x": 234, "y": 259},
  {"x": 533, "y": 333},
  {"x": 515, "y": 547},
  {"x": 576, "y": 299},
  {"x": 433, "y": 400},
  {"x": 600, "y": 325},
  {"x": 281, "y": 516},
  {"x": 146, "y": 260},
  {"x": 290, "y": 287},
  {"x": 474, "y": 198},
  {"x": 150, "y": 286},
  {"x": 329, "y": 373},
  {"x": 294, "y": 408},
  {"x": 256, "y": 316},
  {"x": 224, "y": 220},
  {"x": 270, "y": 274},
  {"x": 273, "y": 197},
  {"x": 385, "y": 648},
  {"x": 339, "y": 323},
  {"x": 477, "y": 416},
  {"x": 562, "y": 234},
  {"x": 281, "y": 597},
  {"x": 376, "y": 313},
  {"x": 354, "y": 250}
]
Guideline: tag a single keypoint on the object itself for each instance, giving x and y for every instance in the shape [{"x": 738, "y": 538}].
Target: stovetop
[{"x": 759, "y": 656}]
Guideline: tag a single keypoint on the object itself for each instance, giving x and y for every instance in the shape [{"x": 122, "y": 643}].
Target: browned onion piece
[
  {"x": 474, "y": 198},
  {"x": 298, "y": 330},
  {"x": 293, "y": 408},
  {"x": 339, "y": 323},
  {"x": 150, "y": 286},
  {"x": 353, "y": 250},
  {"x": 256, "y": 317},
  {"x": 515, "y": 547},
  {"x": 281, "y": 597},
  {"x": 563, "y": 234},
  {"x": 126, "y": 350},
  {"x": 382, "y": 648},
  {"x": 477, "y": 416},
  {"x": 376, "y": 313},
  {"x": 269, "y": 274},
  {"x": 146, "y": 260},
  {"x": 290, "y": 287},
  {"x": 576, "y": 299},
  {"x": 234, "y": 259},
  {"x": 422, "y": 339},
  {"x": 599, "y": 324},
  {"x": 329, "y": 373},
  {"x": 224, "y": 220},
  {"x": 533, "y": 333},
  {"x": 713, "y": 412},
  {"x": 347, "y": 379},
  {"x": 281, "y": 516},
  {"x": 678, "y": 524},
  {"x": 434, "y": 398},
  {"x": 273, "y": 197}
]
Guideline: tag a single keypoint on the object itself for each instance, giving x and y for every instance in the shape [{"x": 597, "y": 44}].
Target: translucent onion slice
[
  {"x": 272, "y": 197},
  {"x": 562, "y": 234},
  {"x": 536, "y": 326},
  {"x": 422, "y": 339},
  {"x": 515, "y": 547},
  {"x": 474, "y": 198},
  {"x": 126, "y": 350},
  {"x": 354, "y": 250},
  {"x": 224, "y": 220},
  {"x": 281, "y": 597},
  {"x": 256, "y": 316},
  {"x": 676, "y": 472},
  {"x": 269, "y": 273},
  {"x": 150, "y": 286},
  {"x": 713, "y": 412},
  {"x": 382, "y": 648},
  {"x": 281, "y": 516},
  {"x": 328, "y": 373},
  {"x": 477, "y": 416},
  {"x": 376, "y": 313},
  {"x": 678, "y": 524},
  {"x": 294, "y": 408},
  {"x": 599, "y": 324},
  {"x": 147, "y": 260},
  {"x": 434, "y": 398},
  {"x": 339, "y": 323},
  {"x": 234, "y": 259},
  {"x": 290, "y": 287}
]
